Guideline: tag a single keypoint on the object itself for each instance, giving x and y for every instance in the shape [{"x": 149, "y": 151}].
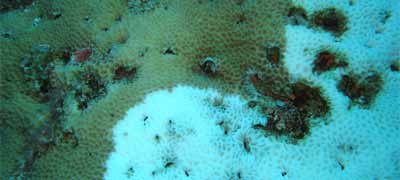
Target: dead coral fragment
[
  {"x": 326, "y": 61},
  {"x": 331, "y": 20},
  {"x": 361, "y": 88}
]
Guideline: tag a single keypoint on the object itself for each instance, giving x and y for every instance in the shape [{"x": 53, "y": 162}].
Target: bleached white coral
[{"x": 185, "y": 133}]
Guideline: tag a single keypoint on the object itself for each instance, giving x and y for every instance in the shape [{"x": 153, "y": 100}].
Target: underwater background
[{"x": 199, "y": 89}]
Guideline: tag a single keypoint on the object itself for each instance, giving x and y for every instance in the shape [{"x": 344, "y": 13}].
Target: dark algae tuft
[{"x": 330, "y": 19}]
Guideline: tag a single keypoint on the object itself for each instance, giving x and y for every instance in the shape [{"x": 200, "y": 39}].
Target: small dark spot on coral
[
  {"x": 241, "y": 18},
  {"x": 209, "y": 66},
  {"x": 157, "y": 138},
  {"x": 252, "y": 104},
  {"x": 169, "y": 51},
  {"x": 395, "y": 66},
  {"x": 258, "y": 126},
  {"x": 143, "y": 52},
  {"x": 330, "y": 19},
  {"x": 274, "y": 55},
  {"x": 385, "y": 16},
  {"x": 104, "y": 29},
  {"x": 224, "y": 127},
  {"x": 66, "y": 55},
  {"x": 130, "y": 172},
  {"x": 186, "y": 173},
  {"x": 69, "y": 137},
  {"x": 341, "y": 165},
  {"x": 6, "y": 35},
  {"x": 118, "y": 18},
  {"x": 109, "y": 50},
  {"x": 239, "y": 175},
  {"x": 54, "y": 15},
  {"x": 123, "y": 72},
  {"x": 168, "y": 164},
  {"x": 246, "y": 144},
  {"x": 284, "y": 173},
  {"x": 82, "y": 105},
  {"x": 87, "y": 18}
]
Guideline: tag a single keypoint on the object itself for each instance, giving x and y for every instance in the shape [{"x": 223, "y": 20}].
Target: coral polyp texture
[{"x": 199, "y": 89}]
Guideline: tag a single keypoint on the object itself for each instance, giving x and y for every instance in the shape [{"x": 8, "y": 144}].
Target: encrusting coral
[
  {"x": 150, "y": 45},
  {"x": 72, "y": 69}
]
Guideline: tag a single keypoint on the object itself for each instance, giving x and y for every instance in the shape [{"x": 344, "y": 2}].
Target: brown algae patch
[
  {"x": 331, "y": 20},
  {"x": 292, "y": 119},
  {"x": 361, "y": 88},
  {"x": 327, "y": 60}
]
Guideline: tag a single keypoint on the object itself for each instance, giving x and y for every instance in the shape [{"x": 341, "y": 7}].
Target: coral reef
[
  {"x": 245, "y": 81},
  {"x": 88, "y": 59}
]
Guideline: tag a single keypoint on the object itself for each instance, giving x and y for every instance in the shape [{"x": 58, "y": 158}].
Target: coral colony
[{"x": 199, "y": 89}]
